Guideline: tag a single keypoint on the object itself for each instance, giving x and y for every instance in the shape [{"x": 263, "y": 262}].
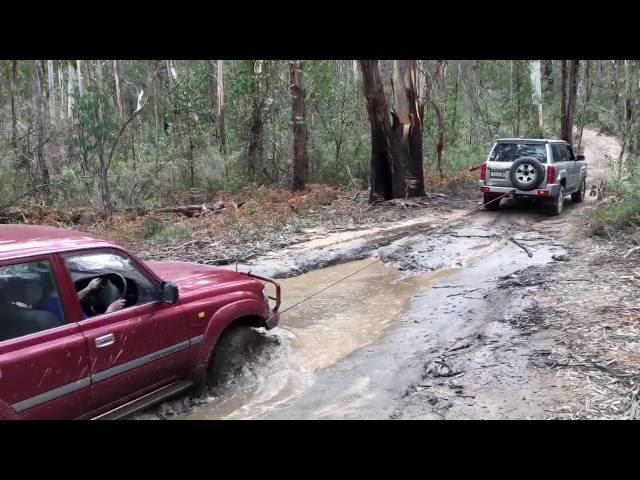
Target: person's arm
[
  {"x": 94, "y": 284},
  {"x": 115, "y": 306}
]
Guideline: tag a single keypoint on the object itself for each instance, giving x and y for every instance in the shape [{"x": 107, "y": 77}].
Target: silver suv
[{"x": 535, "y": 169}]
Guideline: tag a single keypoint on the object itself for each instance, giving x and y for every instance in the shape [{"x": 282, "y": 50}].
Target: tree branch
[
  {"x": 131, "y": 117},
  {"x": 19, "y": 197}
]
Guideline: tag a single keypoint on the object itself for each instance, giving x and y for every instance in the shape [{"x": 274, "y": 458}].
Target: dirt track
[{"x": 453, "y": 323}]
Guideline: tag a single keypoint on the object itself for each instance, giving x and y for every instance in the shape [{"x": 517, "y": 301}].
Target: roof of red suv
[{"x": 26, "y": 240}]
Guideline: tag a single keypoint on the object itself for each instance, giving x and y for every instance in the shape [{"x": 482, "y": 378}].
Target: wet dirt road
[{"x": 434, "y": 330}]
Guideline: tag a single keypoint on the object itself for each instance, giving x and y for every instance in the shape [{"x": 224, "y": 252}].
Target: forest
[
  {"x": 354, "y": 185},
  {"x": 118, "y": 134}
]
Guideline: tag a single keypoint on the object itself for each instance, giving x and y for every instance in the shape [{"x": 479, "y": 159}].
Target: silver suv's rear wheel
[
  {"x": 579, "y": 195},
  {"x": 558, "y": 204}
]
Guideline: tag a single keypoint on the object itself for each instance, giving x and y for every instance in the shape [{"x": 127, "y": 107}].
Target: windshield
[{"x": 510, "y": 152}]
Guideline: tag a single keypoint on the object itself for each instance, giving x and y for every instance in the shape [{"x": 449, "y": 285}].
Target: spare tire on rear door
[{"x": 526, "y": 173}]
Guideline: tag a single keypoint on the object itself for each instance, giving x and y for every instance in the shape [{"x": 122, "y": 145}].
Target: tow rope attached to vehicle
[{"x": 442, "y": 228}]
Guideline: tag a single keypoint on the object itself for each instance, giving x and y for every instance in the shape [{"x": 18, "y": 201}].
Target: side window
[
  {"x": 108, "y": 281},
  {"x": 559, "y": 153},
  {"x": 570, "y": 155},
  {"x": 29, "y": 301}
]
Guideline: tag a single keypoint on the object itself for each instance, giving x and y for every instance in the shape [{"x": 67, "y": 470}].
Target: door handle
[{"x": 105, "y": 340}]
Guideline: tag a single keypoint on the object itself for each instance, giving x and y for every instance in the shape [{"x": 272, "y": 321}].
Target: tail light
[
  {"x": 551, "y": 174},
  {"x": 483, "y": 172}
]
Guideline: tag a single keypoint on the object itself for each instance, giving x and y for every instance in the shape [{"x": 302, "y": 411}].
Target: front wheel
[
  {"x": 578, "y": 196},
  {"x": 230, "y": 354}
]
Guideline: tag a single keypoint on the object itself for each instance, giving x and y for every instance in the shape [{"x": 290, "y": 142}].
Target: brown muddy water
[{"x": 319, "y": 332}]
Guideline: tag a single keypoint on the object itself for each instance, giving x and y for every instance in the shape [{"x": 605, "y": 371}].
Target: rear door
[
  {"x": 44, "y": 360},
  {"x": 136, "y": 349},
  {"x": 573, "y": 169},
  {"x": 560, "y": 162},
  {"x": 499, "y": 163}
]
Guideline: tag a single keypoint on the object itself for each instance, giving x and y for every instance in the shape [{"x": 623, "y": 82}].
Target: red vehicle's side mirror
[{"x": 169, "y": 292}]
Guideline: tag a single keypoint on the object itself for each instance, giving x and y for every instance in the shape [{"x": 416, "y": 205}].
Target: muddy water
[{"x": 319, "y": 332}]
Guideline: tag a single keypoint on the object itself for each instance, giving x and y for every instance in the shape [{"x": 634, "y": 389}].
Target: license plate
[{"x": 493, "y": 174}]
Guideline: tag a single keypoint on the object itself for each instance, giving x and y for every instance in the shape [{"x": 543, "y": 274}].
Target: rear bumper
[{"x": 551, "y": 189}]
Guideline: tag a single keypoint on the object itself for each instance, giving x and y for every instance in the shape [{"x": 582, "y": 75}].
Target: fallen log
[{"x": 191, "y": 210}]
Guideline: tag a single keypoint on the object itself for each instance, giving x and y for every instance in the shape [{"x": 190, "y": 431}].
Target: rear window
[{"x": 510, "y": 152}]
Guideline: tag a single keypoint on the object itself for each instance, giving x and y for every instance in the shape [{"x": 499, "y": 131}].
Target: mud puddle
[{"x": 318, "y": 333}]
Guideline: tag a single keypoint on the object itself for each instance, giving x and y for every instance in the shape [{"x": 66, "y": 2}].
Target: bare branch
[{"x": 132, "y": 116}]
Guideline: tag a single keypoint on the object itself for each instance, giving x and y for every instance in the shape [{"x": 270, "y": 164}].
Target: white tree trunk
[
  {"x": 220, "y": 105},
  {"x": 116, "y": 77},
  {"x": 69, "y": 91},
  {"x": 536, "y": 88},
  {"x": 171, "y": 70},
  {"x": 220, "y": 89},
  {"x": 78, "y": 66},
  {"x": 401, "y": 80},
  {"x": 63, "y": 100},
  {"x": 51, "y": 84}
]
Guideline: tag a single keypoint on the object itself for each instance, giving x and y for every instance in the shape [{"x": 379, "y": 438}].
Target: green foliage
[
  {"x": 158, "y": 231},
  {"x": 625, "y": 210},
  {"x": 67, "y": 188},
  {"x": 14, "y": 183},
  {"x": 173, "y": 146}
]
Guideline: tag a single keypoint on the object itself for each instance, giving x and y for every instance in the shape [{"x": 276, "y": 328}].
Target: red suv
[{"x": 89, "y": 331}]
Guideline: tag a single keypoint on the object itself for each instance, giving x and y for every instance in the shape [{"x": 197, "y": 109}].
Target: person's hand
[
  {"x": 115, "y": 306},
  {"x": 94, "y": 284}
]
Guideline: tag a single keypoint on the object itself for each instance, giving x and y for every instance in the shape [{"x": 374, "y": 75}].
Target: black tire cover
[{"x": 535, "y": 165}]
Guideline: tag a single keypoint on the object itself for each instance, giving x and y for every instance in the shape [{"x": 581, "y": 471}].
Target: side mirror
[
  {"x": 169, "y": 292},
  {"x": 580, "y": 158}
]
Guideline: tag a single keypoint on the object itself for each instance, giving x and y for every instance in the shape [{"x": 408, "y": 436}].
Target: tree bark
[
  {"x": 116, "y": 77},
  {"x": 563, "y": 100},
  {"x": 571, "y": 88},
  {"x": 452, "y": 130},
  {"x": 438, "y": 96},
  {"x": 14, "y": 113},
  {"x": 396, "y": 148},
  {"x": 547, "y": 74},
  {"x": 51, "y": 88},
  {"x": 70, "y": 93},
  {"x": 63, "y": 101},
  {"x": 536, "y": 88},
  {"x": 440, "y": 139},
  {"x": 588, "y": 84},
  {"x": 298, "y": 121},
  {"x": 79, "y": 71},
  {"x": 381, "y": 157},
  {"x": 627, "y": 93},
  {"x": 517, "y": 95},
  {"x": 407, "y": 130},
  {"x": 256, "y": 141},
  {"x": 220, "y": 105},
  {"x": 41, "y": 164}
]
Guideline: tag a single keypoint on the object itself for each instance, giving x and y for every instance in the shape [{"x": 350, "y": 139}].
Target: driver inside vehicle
[{"x": 51, "y": 302}]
